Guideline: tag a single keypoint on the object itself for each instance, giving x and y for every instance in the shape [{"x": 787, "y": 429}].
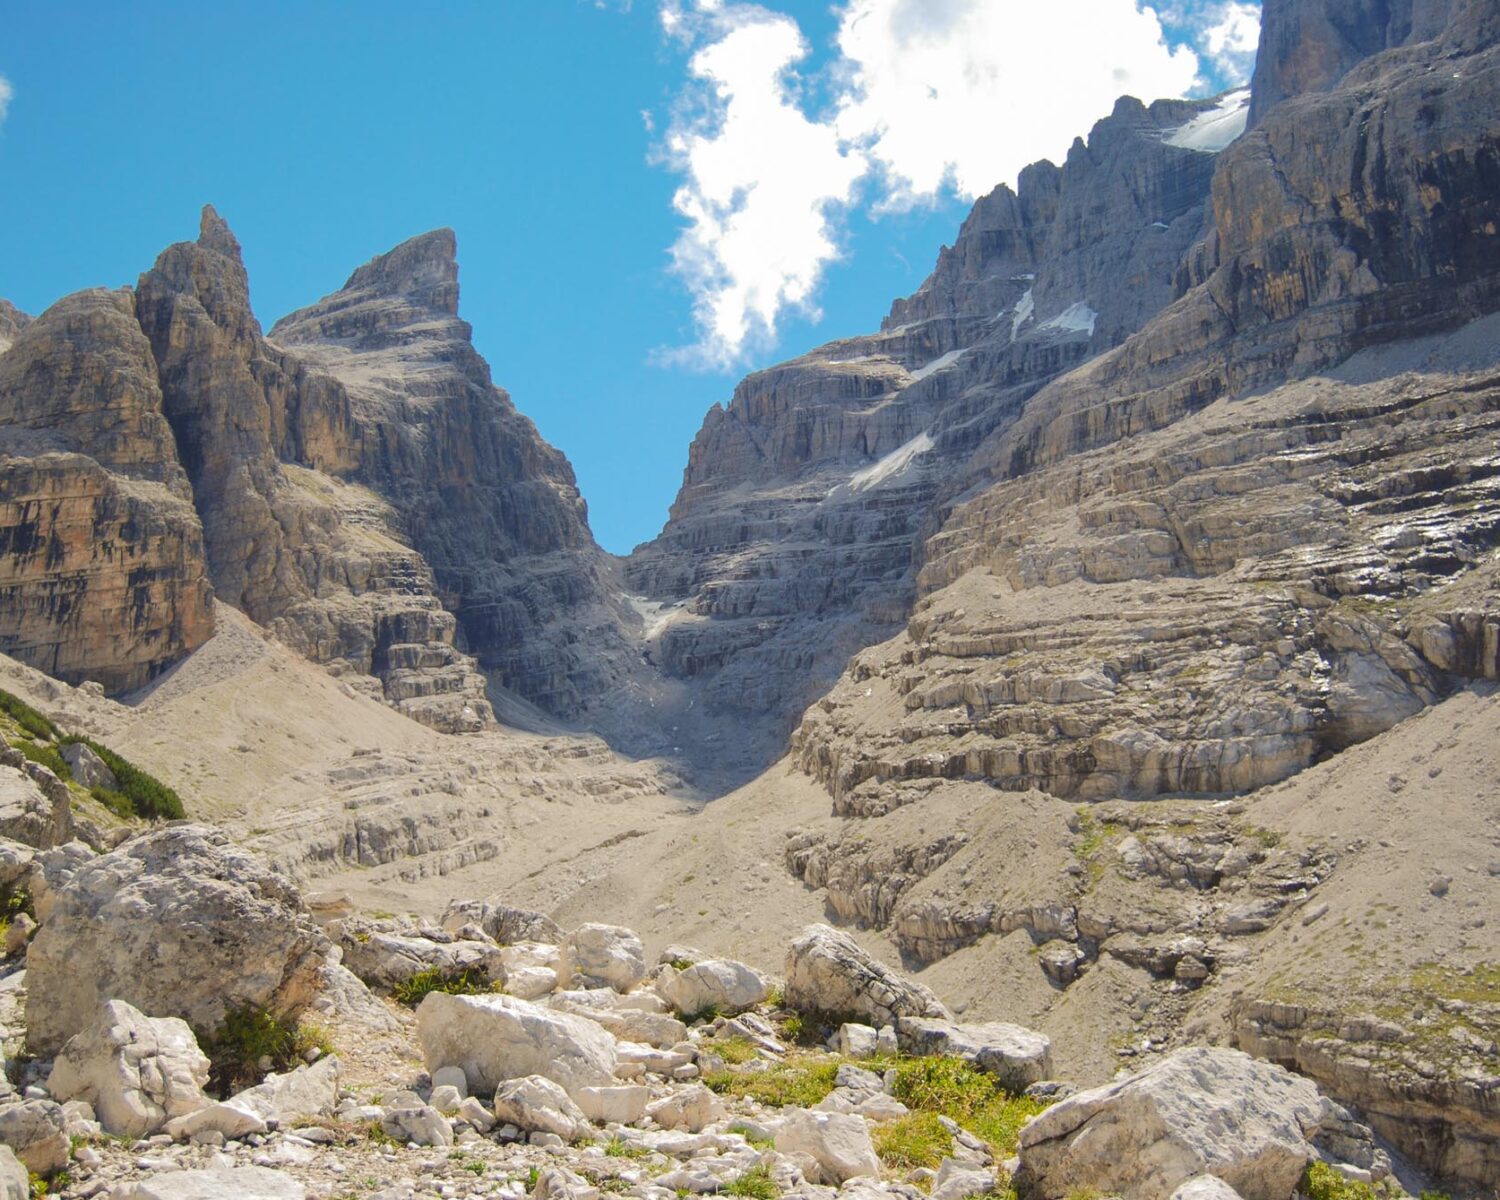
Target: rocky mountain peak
[
  {"x": 214, "y": 234},
  {"x": 423, "y": 269}
]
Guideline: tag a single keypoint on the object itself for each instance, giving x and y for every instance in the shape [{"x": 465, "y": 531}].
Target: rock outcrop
[
  {"x": 178, "y": 923},
  {"x": 1254, "y": 1126},
  {"x": 102, "y": 567},
  {"x": 493, "y": 509},
  {"x": 796, "y": 533}
]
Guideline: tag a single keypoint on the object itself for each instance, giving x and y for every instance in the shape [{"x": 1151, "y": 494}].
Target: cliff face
[
  {"x": 1260, "y": 531},
  {"x": 492, "y": 508},
  {"x": 793, "y": 539},
  {"x": 103, "y": 573}
]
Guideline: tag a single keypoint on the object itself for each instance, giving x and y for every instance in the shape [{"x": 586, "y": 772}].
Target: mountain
[
  {"x": 1112, "y": 637},
  {"x": 357, "y": 485}
]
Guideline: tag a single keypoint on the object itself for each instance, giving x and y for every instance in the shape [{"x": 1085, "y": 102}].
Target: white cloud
[
  {"x": 1231, "y": 39},
  {"x": 6, "y": 92},
  {"x": 760, "y": 180},
  {"x": 966, "y": 92},
  {"x": 925, "y": 97}
]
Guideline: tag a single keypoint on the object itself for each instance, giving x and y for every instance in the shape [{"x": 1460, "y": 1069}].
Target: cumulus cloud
[
  {"x": 760, "y": 181},
  {"x": 1231, "y": 38},
  {"x": 920, "y": 98},
  {"x": 6, "y": 92},
  {"x": 966, "y": 92}
]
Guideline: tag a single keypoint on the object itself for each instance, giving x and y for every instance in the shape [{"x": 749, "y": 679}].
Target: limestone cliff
[
  {"x": 102, "y": 574},
  {"x": 492, "y": 508},
  {"x": 793, "y": 539}
]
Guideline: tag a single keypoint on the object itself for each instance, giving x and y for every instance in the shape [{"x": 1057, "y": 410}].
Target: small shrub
[
  {"x": 953, "y": 1088},
  {"x": 618, "y": 1147},
  {"x": 251, "y": 1034},
  {"x": 1322, "y": 1182},
  {"x": 27, "y": 718},
  {"x": 113, "y": 801},
  {"x": 474, "y": 1167},
  {"x": 756, "y": 1183},
  {"x": 468, "y": 982},
  {"x": 375, "y": 1133},
  {"x": 702, "y": 1016},
  {"x": 148, "y": 796},
  {"x": 47, "y": 756},
  {"x": 532, "y": 1175}
]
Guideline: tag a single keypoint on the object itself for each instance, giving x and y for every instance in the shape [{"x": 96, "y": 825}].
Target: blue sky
[{"x": 553, "y": 135}]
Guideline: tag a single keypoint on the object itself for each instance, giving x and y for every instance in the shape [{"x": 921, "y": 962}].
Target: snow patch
[
  {"x": 1025, "y": 306},
  {"x": 1211, "y": 131},
  {"x": 1076, "y": 318},
  {"x": 892, "y": 466},
  {"x": 938, "y": 364}
]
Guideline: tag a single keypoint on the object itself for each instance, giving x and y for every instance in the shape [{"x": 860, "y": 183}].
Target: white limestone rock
[
  {"x": 535, "y": 1104},
  {"x": 692, "y": 1108},
  {"x": 1201, "y": 1110},
  {"x": 720, "y": 984},
  {"x": 828, "y": 971},
  {"x": 215, "y": 1183},
  {"x": 1015, "y": 1055},
  {"x": 137, "y": 1072},
  {"x": 492, "y": 1038},
  {"x": 178, "y": 922},
  {"x": 596, "y": 955},
  {"x": 838, "y": 1142}
]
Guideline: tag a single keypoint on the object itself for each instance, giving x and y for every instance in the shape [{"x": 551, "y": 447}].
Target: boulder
[
  {"x": 505, "y": 924},
  {"x": 88, "y": 768},
  {"x": 534, "y": 1104},
  {"x": 494, "y": 1038},
  {"x": 602, "y": 956},
  {"x": 417, "y": 1123},
  {"x": 828, "y": 971},
  {"x": 1205, "y": 1187},
  {"x": 623, "y": 1105},
  {"x": 37, "y": 1131},
  {"x": 137, "y": 1072},
  {"x": 692, "y": 1108},
  {"x": 35, "y": 806},
  {"x": 383, "y": 960},
  {"x": 558, "y": 1183},
  {"x": 718, "y": 984},
  {"x": 178, "y": 922},
  {"x": 626, "y": 1022},
  {"x": 1015, "y": 1055},
  {"x": 15, "y": 1183},
  {"x": 530, "y": 983},
  {"x": 215, "y": 1183},
  {"x": 956, "y": 1180},
  {"x": 303, "y": 1094},
  {"x": 1201, "y": 1110},
  {"x": 838, "y": 1142},
  {"x": 856, "y": 1041}
]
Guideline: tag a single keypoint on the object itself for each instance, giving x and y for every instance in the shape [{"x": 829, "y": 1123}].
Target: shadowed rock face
[
  {"x": 1309, "y": 45},
  {"x": 793, "y": 539},
  {"x": 493, "y": 509}
]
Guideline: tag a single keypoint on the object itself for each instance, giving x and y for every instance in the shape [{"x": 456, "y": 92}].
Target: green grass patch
[
  {"x": 1479, "y": 984},
  {"x": 958, "y": 1090},
  {"x": 618, "y": 1147},
  {"x": 468, "y": 982},
  {"x": 917, "y": 1140},
  {"x": 800, "y": 1081},
  {"x": 734, "y": 1050},
  {"x": 250, "y": 1035},
  {"x": 756, "y": 1183},
  {"x": 146, "y": 795}
]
